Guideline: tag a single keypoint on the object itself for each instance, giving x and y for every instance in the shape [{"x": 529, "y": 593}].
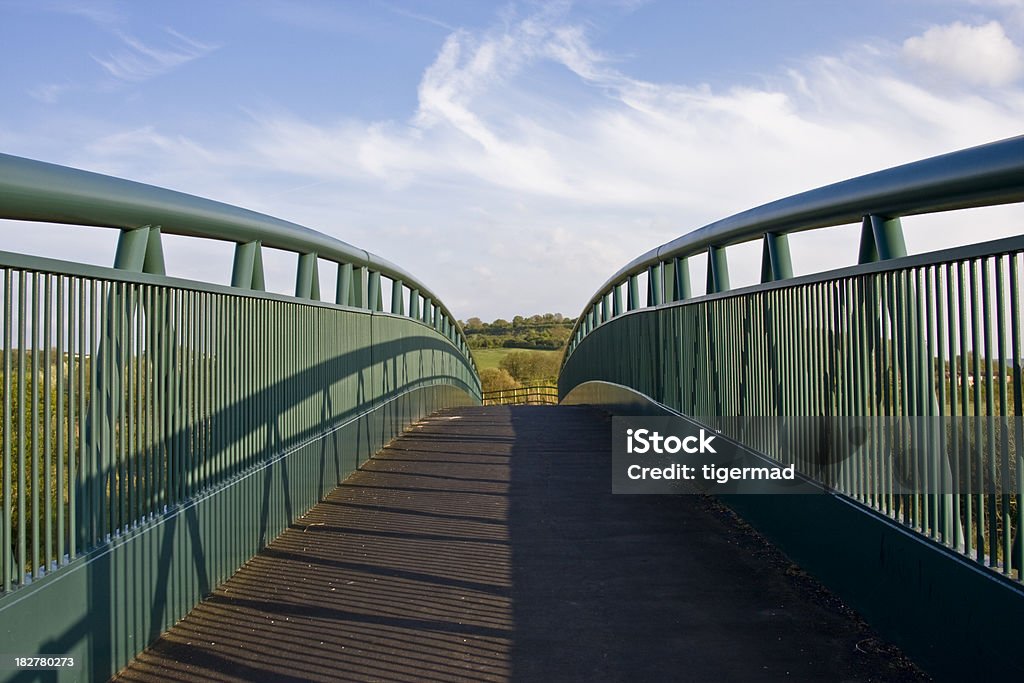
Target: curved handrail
[
  {"x": 38, "y": 191},
  {"x": 985, "y": 175}
]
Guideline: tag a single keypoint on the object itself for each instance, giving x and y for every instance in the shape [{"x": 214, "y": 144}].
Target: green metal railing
[
  {"x": 935, "y": 336},
  {"x": 531, "y": 394},
  {"x": 131, "y": 400}
]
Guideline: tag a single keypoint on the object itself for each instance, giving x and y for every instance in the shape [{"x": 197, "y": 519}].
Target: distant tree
[
  {"x": 548, "y": 331},
  {"x": 493, "y": 379},
  {"x": 531, "y": 366}
]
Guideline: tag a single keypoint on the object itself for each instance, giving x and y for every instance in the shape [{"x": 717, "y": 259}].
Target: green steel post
[
  {"x": 414, "y": 304},
  {"x": 889, "y": 240},
  {"x": 616, "y": 300},
  {"x": 668, "y": 280},
  {"x": 654, "y": 285},
  {"x": 140, "y": 251},
  {"x": 358, "y": 297},
  {"x": 131, "y": 249},
  {"x": 343, "y": 290},
  {"x": 633, "y": 294},
  {"x": 373, "y": 291},
  {"x": 776, "y": 262},
  {"x": 396, "y": 298},
  {"x": 681, "y": 282},
  {"x": 881, "y": 239},
  {"x": 307, "y": 277},
  {"x": 718, "y": 271},
  {"x": 247, "y": 270}
]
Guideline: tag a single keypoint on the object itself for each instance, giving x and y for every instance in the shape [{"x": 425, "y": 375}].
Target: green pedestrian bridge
[{"x": 210, "y": 482}]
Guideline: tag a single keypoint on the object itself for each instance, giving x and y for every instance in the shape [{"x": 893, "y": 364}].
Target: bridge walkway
[{"x": 485, "y": 544}]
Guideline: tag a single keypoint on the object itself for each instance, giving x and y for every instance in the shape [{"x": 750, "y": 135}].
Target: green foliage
[
  {"x": 549, "y": 331},
  {"x": 531, "y": 366},
  {"x": 493, "y": 379}
]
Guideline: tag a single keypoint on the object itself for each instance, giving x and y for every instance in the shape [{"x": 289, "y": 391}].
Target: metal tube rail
[{"x": 979, "y": 176}]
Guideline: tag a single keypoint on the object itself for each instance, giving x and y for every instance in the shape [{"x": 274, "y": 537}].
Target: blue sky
[{"x": 512, "y": 155}]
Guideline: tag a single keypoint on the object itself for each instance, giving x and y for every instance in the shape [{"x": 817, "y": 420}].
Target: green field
[{"x": 491, "y": 358}]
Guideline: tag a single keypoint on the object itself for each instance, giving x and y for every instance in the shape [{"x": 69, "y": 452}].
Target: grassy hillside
[{"x": 491, "y": 358}]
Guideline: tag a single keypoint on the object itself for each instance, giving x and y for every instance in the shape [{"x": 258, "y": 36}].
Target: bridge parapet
[
  {"x": 157, "y": 432},
  {"x": 907, "y": 367}
]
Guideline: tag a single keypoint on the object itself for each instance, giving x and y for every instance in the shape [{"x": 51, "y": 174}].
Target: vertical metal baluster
[
  {"x": 99, "y": 410},
  {"x": 930, "y": 496},
  {"x": 860, "y": 374},
  {"x": 951, "y": 452},
  {"x": 34, "y": 430},
  {"x": 892, "y": 412},
  {"x": 5, "y": 486},
  {"x": 902, "y": 339},
  {"x": 48, "y": 495},
  {"x": 987, "y": 455},
  {"x": 1004, "y": 483},
  {"x": 22, "y": 560},
  {"x": 977, "y": 316},
  {"x": 63, "y": 395},
  {"x": 176, "y": 361},
  {"x": 1018, "y": 413},
  {"x": 160, "y": 324},
  {"x": 76, "y": 412},
  {"x": 108, "y": 451},
  {"x": 149, "y": 405},
  {"x": 920, "y": 342},
  {"x": 188, "y": 360},
  {"x": 944, "y": 497},
  {"x": 138, "y": 414},
  {"x": 989, "y": 451},
  {"x": 963, "y": 451},
  {"x": 123, "y": 375},
  {"x": 208, "y": 401}
]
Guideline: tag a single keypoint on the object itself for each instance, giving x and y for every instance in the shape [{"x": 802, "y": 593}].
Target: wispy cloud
[
  {"x": 137, "y": 61},
  {"x": 426, "y": 19},
  {"x": 102, "y": 13},
  {"x": 50, "y": 93},
  {"x": 612, "y": 139}
]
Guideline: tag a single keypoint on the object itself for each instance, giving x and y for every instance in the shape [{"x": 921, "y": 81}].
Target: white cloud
[
  {"x": 977, "y": 55},
  {"x": 138, "y": 61}
]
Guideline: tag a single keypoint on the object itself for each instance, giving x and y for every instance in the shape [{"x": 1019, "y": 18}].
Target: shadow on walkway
[{"x": 485, "y": 544}]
